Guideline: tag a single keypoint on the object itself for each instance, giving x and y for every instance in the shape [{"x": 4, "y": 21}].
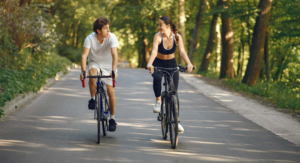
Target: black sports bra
[{"x": 162, "y": 50}]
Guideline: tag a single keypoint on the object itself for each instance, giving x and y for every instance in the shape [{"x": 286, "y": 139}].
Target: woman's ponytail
[{"x": 175, "y": 31}]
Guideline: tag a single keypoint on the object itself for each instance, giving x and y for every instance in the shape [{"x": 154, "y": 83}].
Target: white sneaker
[
  {"x": 156, "y": 108},
  {"x": 180, "y": 128}
]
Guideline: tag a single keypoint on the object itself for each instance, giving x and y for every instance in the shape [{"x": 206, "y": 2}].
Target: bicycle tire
[
  {"x": 163, "y": 116},
  {"x": 104, "y": 118},
  {"x": 173, "y": 121},
  {"x": 98, "y": 98}
]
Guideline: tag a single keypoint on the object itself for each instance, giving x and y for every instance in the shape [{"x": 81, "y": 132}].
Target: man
[{"x": 101, "y": 49}]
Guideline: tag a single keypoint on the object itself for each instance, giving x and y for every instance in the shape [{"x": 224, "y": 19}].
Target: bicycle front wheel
[
  {"x": 98, "y": 98},
  {"x": 173, "y": 121},
  {"x": 105, "y": 111},
  {"x": 163, "y": 117}
]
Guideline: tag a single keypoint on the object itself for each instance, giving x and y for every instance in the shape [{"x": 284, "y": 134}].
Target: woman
[{"x": 163, "y": 55}]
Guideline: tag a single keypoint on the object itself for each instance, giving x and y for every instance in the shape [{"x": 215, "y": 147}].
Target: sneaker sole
[{"x": 155, "y": 111}]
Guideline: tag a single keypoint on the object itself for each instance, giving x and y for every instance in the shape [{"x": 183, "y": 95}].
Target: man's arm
[
  {"x": 84, "y": 55},
  {"x": 114, "y": 54}
]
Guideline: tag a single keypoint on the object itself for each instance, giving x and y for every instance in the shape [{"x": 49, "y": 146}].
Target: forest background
[{"x": 252, "y": 45}]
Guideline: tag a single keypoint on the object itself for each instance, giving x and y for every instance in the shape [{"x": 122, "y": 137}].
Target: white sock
[
  {"x": 112, "y": 116},
  {"x": 93, "y": 97}
]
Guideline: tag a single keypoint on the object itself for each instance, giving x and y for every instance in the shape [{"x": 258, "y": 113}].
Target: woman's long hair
[{"x": 168, "y": 21}]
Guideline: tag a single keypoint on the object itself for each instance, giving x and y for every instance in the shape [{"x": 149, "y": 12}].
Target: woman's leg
[
  {"x": 157, "y": 85},
  {"x": 176, "y": 82},
  {"x": 157, "y": 91}
]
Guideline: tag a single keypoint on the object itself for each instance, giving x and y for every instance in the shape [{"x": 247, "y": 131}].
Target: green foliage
[
  {"x": 27, "y": 47},
  {"x": 275, "y": 92},
  {"x": 32, "y": 78},
  {"x": 1, "y": 113}
]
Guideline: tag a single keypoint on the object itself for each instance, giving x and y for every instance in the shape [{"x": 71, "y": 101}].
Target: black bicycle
[
  {"x": 102, "y": 110},
  {"x": 169, "y": 107}
]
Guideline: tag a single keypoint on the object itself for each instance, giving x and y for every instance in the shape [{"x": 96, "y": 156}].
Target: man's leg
[
  {"x": 92, "y": 86},
  {"x": 112, "y": 98},
  {"x": 112, "y": 105}
]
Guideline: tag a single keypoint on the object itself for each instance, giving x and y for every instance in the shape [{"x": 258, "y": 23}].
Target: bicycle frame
[{"x": 100, "y": 90}]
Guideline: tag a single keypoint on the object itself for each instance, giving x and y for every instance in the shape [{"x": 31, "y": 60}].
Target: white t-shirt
[{"x": 101, "y": 53}]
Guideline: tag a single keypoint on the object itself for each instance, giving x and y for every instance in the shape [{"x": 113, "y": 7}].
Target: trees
[
  {"x": 199, "y": 19},
  {"x": 227, "y": 43},
  {"x": 258, "y": 41},
  {"x": 210, "y": 44}
]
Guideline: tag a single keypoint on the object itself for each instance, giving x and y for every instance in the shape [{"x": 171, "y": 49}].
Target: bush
[{"x": 16, "y": 81}]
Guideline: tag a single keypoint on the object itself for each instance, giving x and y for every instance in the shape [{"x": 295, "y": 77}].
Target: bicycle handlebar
[
  {"x": 112, "y": 73},
  {"x": 179, "y": 67}
]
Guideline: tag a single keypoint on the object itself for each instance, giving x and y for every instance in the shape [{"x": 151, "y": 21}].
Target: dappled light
[
  {"x": 209, "y": 143},
  {"x": 8, "y": 143},
  {"x": 108, "y": 159}
]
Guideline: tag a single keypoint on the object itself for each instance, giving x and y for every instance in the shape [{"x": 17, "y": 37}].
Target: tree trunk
[
  {"x": 266, "y": 55},
  {"x": 199, "y": 20},
  {"x": 22, "y": 3},
  {"x": 227, "y": 44},
  {"x": 218, "y": 58},
  {"x": 241, "y": 52},
  {"x": 142, "y": 48},
  {"x": 77, "y": 35},
  {"x": 182, "y": 26},
  {"x": 210, "y": 44},
  {"x": 258, "y": 40}
]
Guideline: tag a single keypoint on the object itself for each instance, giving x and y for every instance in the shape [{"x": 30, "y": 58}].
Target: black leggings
[{"x": 157, "y": 76}]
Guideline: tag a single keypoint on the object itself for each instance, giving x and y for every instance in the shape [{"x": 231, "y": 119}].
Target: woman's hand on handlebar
[
  {"x": 190, "y": 67},
  {"x": 150, "y": 68}
]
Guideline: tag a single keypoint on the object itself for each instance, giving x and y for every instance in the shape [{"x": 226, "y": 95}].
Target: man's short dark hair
[{"x": 99, "y": 23}]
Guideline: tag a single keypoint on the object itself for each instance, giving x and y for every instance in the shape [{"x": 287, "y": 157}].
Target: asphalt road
[{"x": 57, "y": 127}]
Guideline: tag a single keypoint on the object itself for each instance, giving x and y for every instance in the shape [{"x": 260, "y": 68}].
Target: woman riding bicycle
[{"x": 163, "y": 55}]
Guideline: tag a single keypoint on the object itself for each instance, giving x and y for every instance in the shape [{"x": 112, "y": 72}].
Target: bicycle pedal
[{"x": 158, "y": 119}]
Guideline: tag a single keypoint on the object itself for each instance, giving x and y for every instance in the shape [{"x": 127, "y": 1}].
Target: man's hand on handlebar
[
  {"x": 83, "y": 74},
  {"x": 114, "y": 75}
]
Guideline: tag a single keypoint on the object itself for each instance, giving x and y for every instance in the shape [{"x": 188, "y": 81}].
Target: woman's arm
[
  {"x": 183, "y": 54},
  {"x": 153, "y": 55}
]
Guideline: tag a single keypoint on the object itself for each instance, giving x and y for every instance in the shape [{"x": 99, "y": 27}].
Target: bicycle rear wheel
[
  {"x": 98, "y": 98},
  {"x": 173, "y": 121},
  {"x": 104, "y": 117},
  {"x": 163, "y": 116}
]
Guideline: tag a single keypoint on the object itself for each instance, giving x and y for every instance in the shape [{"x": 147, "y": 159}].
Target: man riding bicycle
[{"x": 100, "y": 47}]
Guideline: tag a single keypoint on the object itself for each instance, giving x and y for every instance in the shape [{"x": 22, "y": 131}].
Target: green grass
[{"x": 276, "y": 92}]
